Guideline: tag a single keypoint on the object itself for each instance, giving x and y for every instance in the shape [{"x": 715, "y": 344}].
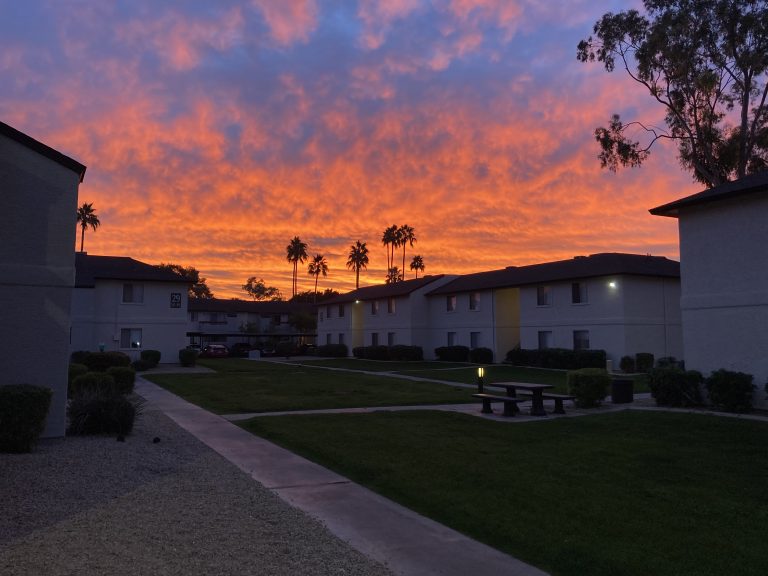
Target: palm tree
[
  {"x": 358, "y": 258},
  {"x": 389, "y": 239},
  {"x": 406, "y": 235},
  {"x": 417, "y": 264},
  {"x": 296, "y": 253},
  {"x": 393, "y": 275},
  {"x": 86, "y": 216},
  {"x": 318, "y": 266}
]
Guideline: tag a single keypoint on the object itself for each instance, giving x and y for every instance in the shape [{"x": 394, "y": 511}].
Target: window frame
[
  {"x": 544, "y": 295},
  {"x": 579, "y": 293},
  {"x": 450, "y": 303},
  {"x": 581, "y": 340},
  {"x": 474, "y": 301},
  {"x": 131, "y": 332},
  {"x": 134, "y": 293}
]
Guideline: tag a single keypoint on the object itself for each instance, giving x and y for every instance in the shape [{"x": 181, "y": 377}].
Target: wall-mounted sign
[{"x": 175, "y": 299}]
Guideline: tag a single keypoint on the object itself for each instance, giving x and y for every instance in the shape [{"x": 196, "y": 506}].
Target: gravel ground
[{"x": 95, "y": 506}]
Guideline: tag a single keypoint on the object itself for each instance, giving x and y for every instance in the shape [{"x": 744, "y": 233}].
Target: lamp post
[{"x": 480, "y": 374}]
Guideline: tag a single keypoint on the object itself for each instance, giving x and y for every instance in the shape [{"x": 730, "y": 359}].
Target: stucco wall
[
  {"x": 724, "y": 300},
  {"x": 462, "y": 321},
  {"x": 38, "y": 201}
]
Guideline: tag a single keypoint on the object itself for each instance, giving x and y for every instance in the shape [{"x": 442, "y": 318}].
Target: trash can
[{"x": 622, "y": 390}]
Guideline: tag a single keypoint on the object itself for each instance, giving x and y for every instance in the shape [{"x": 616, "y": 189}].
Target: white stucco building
[
  {"x": 122, "y": 304},
  {"x": 38, "y": 201},
  {"x": 724, "y": 271},
  {"x": 620, "y": 303}
]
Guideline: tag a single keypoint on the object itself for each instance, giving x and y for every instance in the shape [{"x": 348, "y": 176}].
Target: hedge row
[
  {"x": 398, "y": 352},
  {"x": 728, "y": 391},
  {"x": 560, "y": 358}
]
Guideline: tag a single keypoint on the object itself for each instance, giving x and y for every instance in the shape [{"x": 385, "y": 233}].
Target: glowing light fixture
[
  {"x": 480, "y": 374},
  {"x": 612, "y": 284}
]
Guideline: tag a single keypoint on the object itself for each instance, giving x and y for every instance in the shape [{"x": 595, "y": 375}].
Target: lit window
[
  {"x": 450, "y": 303},
  {"x": 474, "y": 300},
  {"x": 581, "y": 339},
  {"x": 545, "y": 340},
  {"x": 130, "y": 338},
  {"x": 579, "y": 293},
  {"x": 133, "y": 293},
  {"x": 543, "y": 296}
]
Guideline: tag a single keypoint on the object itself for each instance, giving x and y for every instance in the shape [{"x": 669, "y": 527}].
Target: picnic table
[{"x": 536, "y": 390}]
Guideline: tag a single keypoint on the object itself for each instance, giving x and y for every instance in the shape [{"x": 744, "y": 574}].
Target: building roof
[
  {"x": 605, "y": 264},
  {"x": 752, "y": 184},
  {"x": 250, "y": 306},
  {"x": 90, "y": 268},
  {"x": 380, "y": 291},
  {"x": 40, "y": 148}
]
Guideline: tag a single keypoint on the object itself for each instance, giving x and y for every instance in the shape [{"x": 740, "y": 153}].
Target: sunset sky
[{"x": 214, "y": 132}]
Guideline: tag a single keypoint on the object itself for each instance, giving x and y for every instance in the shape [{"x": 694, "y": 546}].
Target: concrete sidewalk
[{"x": 408, "y": 543}]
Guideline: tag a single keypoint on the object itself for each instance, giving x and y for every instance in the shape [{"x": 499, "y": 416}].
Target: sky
[{"x": 214, "y": 132}]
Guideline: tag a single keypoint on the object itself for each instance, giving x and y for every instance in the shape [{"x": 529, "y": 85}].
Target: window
[
  {"x": 341, "y": 338},
  {"x": 231, "y": 314},
  {"x": 474, "y": 339},
  {"x": 328, "y": 312},
  {"x": 543, "y": 296},
  {"x": 133, "y": 293},
  {"x": 276, "y": 319},
  {"x": 341, "y": 312},
  {"x": 581, "y": 339},
  {"x": 474, "y": 300},
  {"x": 579, "y": 293},
  {"x": 321, "y": 315},
  {"x": 374, "y": 307},
  {"x": 327, "y": 338},
  {"x": 193, "y": 316},
  {"x": 390, "y": 338},
  {"x": 130, "y": 338},
  {"x": 545, "y": 340},
  {"x": 391, "y": 305},
  {"x": 375, "y": 339},
  {"x": 451, "y": 338},
  {"x": 450, "y": 303}
]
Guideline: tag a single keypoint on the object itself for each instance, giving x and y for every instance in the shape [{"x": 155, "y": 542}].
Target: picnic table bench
[
  {"x": 510, "y": 404},
  {"x": 558, "y": 398}
]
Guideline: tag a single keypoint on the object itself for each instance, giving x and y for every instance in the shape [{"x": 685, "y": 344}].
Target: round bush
[
  {"x": 76, "y": 370},
  {"x": 99, "y": 412},
  {"x": 141, "y": 365},
  {"x": 124, "y": 376},
  {"x": 151, "y": 357},
  {"x": 23, "y": 410},
  {"x": 675, "y": 387},
  {"x": 627, "y": 364},
  {"x": 188, "y": 357},
  {"x": 589, "y": 386},
  {"x": 481, "y": 356},
  {"x": 730, "y": 391},
  {"x": 100, "y": 361},
  {"x": 93, "y": 381}
]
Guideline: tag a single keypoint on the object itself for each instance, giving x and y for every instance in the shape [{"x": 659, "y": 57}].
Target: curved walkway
[{"x": 406, "y": 542}]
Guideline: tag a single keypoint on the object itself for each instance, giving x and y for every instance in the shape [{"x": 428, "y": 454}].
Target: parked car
[
  {"x": 215, "y": 351},
  {"x": 195, "y": 347},
  {"x": 239, "y": 349}
]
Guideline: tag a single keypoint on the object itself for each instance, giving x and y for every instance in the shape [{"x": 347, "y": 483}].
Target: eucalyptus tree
[
  {"x": 257, "y": 289},
  {"x": 86, "y": 216},
  {"x": 417, "y": 264},
  {"x": 357, "y": 259},
  {"x": 318, "y": 265},
  {"x": 197, "y": 286},
  {"x": 296, "y": 253},
  {"x": 705, "y": 62}
]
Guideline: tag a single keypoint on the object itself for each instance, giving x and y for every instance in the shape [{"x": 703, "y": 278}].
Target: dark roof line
[
  {"x": 754, "y": 183},
  {"x": 90, "y": 268},
  {"x": 43, "y": 149},
  {"x": 378, "y": 291},
  {"x": 251, "y": 306},
  {"x": 603, "y": 264}
]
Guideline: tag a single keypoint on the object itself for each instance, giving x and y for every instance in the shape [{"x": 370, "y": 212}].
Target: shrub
[
  {"x": 643, "y": 361},
  {"x": 333, "y": 350},
  {"x": 188, "y": 357},
  {"x": 627, "y": 364},
  {"x": 76, "y": 370},
  {"x": 79, "y": 356},
  {"x": 100, "y": 361},
  {"x": 371, "y": 352},
  {"x": 481, "y": 356},
  {"x": 730, "y": 391},
  {"x": 589, "y": 386},
  {"x": 137, "y": 365},
  {"x": 94, "y": 381},
  {"x": 101, "y": 412},
  {"x": 286, "y": 348},
  {"x": 452, "y": 353},
  {"x": 672, "y": 386},
  {"x": 124, "y": 376},
  {"x": 23, "y": 409},
  {"x": 670, "y": 362},
  {"x": 151, "y": 357},
  {"x": 405, "y": 353},
  {"x": 558, "y": 358}
]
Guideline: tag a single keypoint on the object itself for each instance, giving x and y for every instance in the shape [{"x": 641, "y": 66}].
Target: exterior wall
[
  {"x": 232, "y": 322},
  {"x": 99, "y": 315},
  {"x": 507, "y": 317},
  {"x": 331, "y": 325},
  {"x": 462, "y": 322},
  {"x": 38, "y": 200},
  {"x": 623, "y": 315},
  {"x": 724, "y": 299}
]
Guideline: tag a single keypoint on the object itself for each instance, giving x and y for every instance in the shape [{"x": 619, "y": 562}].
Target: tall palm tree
[
  {"x": 86, "y": 216},
  {"x": 319, "y": 265},
  {"x": 417, "y": 264},
  {"x": 296, "y": 253},
  {"x": 406, "y": 235},
  {"x": 389, "y": 239},
  {"x": 358, "y": 258}
]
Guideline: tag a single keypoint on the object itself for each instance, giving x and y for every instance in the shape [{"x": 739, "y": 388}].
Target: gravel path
[{"x": 94, "y": 506}]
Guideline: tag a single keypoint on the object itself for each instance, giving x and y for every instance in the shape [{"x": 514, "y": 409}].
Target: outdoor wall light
[
  {"x": 612, "y": 284},
  {"x": 357, "y": 301},
  {"x": 480, "y": 374}
]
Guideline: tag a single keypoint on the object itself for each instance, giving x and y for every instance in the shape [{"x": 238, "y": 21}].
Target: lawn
[
  {"x": 383, "y": 365},
  {"x": 629, "y": 493},
  {"x": 241, "y": 386}
]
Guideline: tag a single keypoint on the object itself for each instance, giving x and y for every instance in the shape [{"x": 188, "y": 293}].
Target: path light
[{"x": 480, "y": 374}]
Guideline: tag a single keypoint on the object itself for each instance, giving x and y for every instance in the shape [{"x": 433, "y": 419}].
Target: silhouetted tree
[
  {"x": 308, "y": 296},
  {"x": 706, "y": 64},
  {"x": 296, "y": 253},
  {"x": 318, "y": 266},
  {"x": 406, "y": 235},
  {"x": 86, "y": 216},
  {"x": 389, "y": 239},
  {"x": 258, "y": 290},
  {"x": 417, "y": 264},
  {"x": 198, "y": 288},
  {"x": 358, "y": 258},
  {"x": 393, "y": 275}
]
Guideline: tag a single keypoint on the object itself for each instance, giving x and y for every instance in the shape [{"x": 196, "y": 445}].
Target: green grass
[
  {"x": 629, "y": 493},
  {"x": 382, "y": 365},
  {"x": 241, "y": 386}
]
